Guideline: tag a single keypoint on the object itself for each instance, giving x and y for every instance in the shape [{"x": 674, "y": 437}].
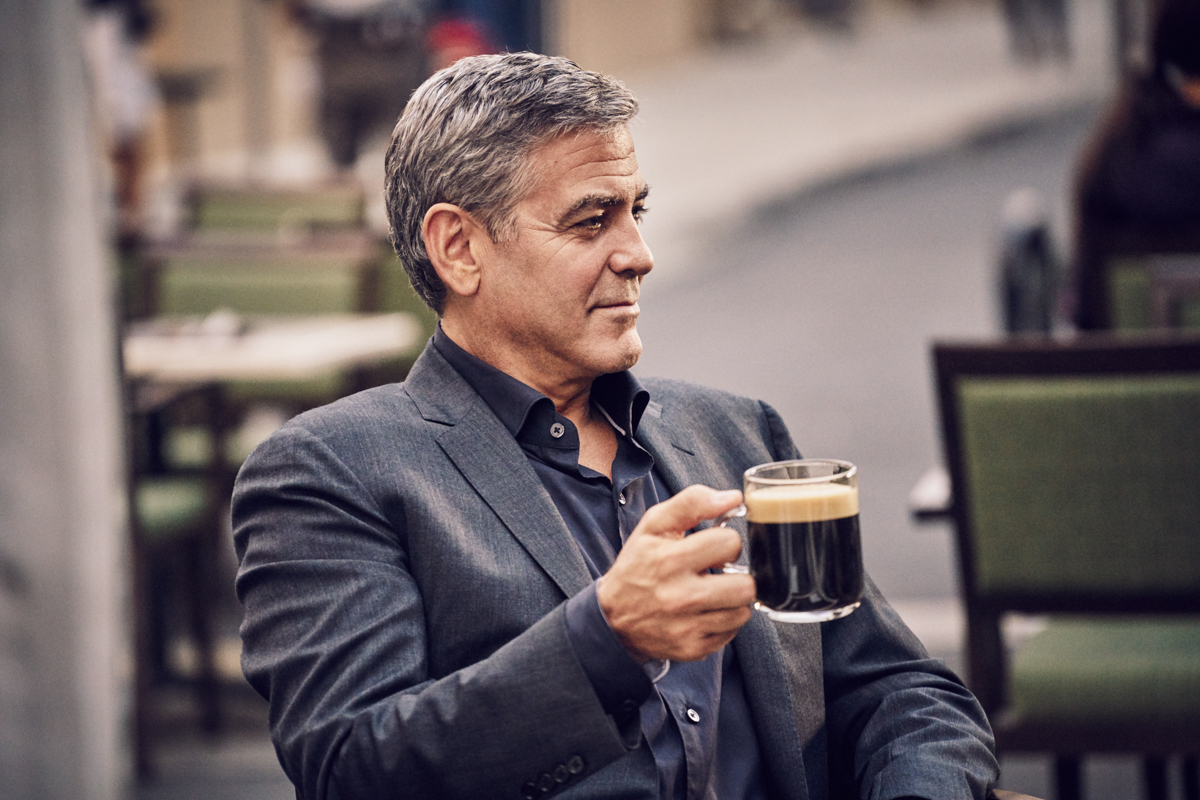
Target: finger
[
  {"x": 707, "y": 594},
  {"x": 679, "y": 514},
  {"x": 726, "y": 622},
  {"x": 714, "y": 593},
  {"x": 708, "y": 549}
]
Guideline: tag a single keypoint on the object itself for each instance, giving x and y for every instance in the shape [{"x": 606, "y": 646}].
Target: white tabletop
[{"x": 281, "y": 348}]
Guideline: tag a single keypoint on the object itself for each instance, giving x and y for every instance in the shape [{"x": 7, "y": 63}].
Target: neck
[
  {"x": 569, "y": 389},
  {"x": 570, "y": 392}
]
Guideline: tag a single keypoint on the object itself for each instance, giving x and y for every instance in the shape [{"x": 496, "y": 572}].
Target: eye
[
  {"x": 591, "y": 224},
  {"x": 639, "y": 212}
]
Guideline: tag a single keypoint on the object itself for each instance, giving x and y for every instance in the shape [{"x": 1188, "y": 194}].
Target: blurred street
[{"x": 823, "y": 207}]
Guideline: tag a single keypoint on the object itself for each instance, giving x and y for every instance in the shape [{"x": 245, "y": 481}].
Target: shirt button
[
  {"x": 557, "y": 430},
  {"x": 693, "y": 715},
  {"x": 621, "y": 498}
]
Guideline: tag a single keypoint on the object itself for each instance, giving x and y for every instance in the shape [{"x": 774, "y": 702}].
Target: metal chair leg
[
  {"x": 1191, "y": 777},
  {"x": 1154, "y": 776},
  {"x": 1068, "y": 778}
]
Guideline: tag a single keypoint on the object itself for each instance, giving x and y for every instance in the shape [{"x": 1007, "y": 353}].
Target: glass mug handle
[{"x": 723, "y": 522}]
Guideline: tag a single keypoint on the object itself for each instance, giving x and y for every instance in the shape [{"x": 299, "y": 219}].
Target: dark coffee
[
  {"x": 807, "y": 566},
  {"x": 805, "y": 547}
]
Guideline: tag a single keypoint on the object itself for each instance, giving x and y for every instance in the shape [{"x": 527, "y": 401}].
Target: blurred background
[{"x": 193, "y": 248}]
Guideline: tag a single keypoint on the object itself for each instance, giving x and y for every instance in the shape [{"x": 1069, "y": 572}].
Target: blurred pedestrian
[
  {"x": 371, "y": 55},
  {"x": 1142, "y": 169},
  {"x": 125, "y": 97},
  {"x": 1037, "y": 30}
]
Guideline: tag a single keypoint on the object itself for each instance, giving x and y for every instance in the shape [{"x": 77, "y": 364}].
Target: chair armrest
[
  {"x": 931, "y": 497},
  {"x": 1001, "y": 794}
]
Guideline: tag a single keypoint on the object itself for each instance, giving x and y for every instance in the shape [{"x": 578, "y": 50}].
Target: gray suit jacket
[{"x": 403, "y": 573}]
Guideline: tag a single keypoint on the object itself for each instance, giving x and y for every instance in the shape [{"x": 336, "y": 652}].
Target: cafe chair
[
  {"x": 175, "y": 526},
  {"x": 1075, "y": 468}
]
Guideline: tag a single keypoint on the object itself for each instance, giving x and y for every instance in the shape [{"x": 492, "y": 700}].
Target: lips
[{"x": 619, "y": 304}]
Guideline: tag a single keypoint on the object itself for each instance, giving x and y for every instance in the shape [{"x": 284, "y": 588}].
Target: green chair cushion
[
  {"x": 1084, "y": 485},
  {"x": 1109, "y": 670},
  {"x": 170, "y": 506}
]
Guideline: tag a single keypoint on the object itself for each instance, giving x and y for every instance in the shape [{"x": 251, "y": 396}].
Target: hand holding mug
[{"x": 661, "y": 597}]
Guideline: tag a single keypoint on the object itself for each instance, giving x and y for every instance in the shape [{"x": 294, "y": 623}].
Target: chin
[
  {"x": 611, "y": 353},
  {"x": 628, "y": 351}
]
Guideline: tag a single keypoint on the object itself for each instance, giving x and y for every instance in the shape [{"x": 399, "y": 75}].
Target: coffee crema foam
[{"x": 801, "y": 503}]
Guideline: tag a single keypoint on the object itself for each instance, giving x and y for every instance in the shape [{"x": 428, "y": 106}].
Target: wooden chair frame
[{"x": 987, "y": 669}]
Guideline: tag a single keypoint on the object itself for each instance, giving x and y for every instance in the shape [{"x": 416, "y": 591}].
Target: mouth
[
  {"x": 622, "y": 307},
  {"x": 631, "y": 302}
]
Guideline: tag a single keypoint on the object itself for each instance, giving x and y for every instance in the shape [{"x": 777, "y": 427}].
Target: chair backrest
[
  {"x": 1076, "y": 473},
  {"x": 271, "y": 209},
  {"x": 1154, "y": 291},
  {"x": 263, "y": 278},
  {"x": 1121, "y": 272}
]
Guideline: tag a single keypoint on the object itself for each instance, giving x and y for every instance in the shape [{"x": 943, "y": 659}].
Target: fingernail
[{"x": 727, "y": 496}]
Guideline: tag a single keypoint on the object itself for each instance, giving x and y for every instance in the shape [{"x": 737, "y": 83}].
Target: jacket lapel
[
  {"x": 674, "y": 451},
  {"x": 780, "y": 662},
  {"x": 486, "y": 454}
]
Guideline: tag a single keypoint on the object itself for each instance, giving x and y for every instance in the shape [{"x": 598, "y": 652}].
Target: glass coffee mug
[{"x": 805, "y": 549}]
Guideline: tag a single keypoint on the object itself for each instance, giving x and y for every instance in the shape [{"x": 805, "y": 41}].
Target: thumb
[{"x": 677, "y": 515}]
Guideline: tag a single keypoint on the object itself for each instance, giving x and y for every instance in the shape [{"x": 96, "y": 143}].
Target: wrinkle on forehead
[{"x": 574, "y": 146}]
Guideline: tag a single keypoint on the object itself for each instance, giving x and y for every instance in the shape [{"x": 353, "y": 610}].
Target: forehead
[{"x": 582, "y": 162}]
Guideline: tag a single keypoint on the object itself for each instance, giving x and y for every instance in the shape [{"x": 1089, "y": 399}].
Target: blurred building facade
[
  {"x": 64, "y": 655},
  {"x": 241, "y": 80}
]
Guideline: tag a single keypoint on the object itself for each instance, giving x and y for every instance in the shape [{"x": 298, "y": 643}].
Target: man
[{"x": 477, "y": 583}]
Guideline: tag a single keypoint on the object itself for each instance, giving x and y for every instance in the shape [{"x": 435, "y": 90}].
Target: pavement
[
  {"x": 738, "y": 127},
  {"x": 749, "y": 124}
]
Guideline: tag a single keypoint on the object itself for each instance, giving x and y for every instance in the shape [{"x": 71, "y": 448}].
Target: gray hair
[{"x": 466, "y": 136}]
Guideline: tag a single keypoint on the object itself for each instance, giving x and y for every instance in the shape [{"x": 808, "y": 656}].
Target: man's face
[{"x": 561, "y": 294}]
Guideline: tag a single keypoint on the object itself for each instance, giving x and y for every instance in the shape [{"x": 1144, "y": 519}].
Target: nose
[{"x": 631, "y": 255}]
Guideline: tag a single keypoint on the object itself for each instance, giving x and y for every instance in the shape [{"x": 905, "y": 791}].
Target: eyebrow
[{"x": 599, "y": 201}]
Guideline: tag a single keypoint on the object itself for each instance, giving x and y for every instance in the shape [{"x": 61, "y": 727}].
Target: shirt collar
[{"x": 619, "y": 394}]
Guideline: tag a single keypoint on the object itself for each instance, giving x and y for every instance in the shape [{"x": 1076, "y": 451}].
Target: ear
[{"x": 452, "y": 241}]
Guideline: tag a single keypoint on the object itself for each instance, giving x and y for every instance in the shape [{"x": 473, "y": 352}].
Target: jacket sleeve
[
  {"x": 900, "y": 723},
  {"x": 334, "y": 636}
]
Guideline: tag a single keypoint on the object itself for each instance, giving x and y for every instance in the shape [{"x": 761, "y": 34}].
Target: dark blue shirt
[{"x": 695, "y": 717}]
